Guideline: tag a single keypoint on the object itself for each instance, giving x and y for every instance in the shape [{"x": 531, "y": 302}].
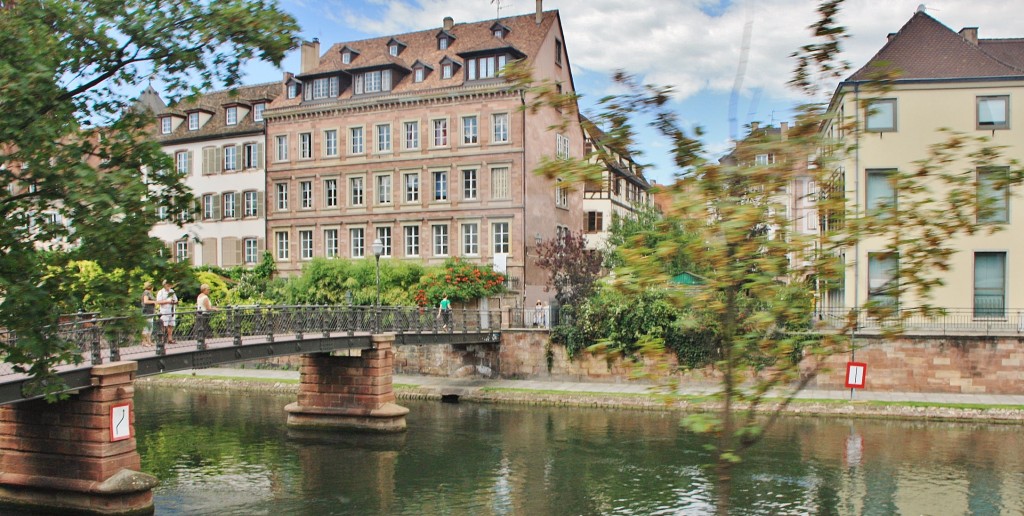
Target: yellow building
[{"x": 940, "y": 78}]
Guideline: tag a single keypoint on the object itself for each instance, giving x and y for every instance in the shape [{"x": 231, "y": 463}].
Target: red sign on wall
[{"x": 856, "y": 373}]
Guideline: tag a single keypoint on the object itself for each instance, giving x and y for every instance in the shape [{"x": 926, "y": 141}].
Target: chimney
[
  {"x": 448, "y": 23},
  {"x": 754, "y": 126},
  {"x": 540, "y": 11},
  {"x": 784, "y": 130},
  {"x": 310, "y": 55},
  {"x": 891, "y": 36},
  {"x": 970, "y": 34}
]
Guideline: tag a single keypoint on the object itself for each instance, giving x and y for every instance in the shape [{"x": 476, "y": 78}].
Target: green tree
[
  {"x": 643, "y": 232},
  {"x": 75, "y": 147},
  {"x": 743, "y": 246}
]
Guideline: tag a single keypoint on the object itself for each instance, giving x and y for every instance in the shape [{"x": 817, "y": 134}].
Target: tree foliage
[
  {"x": 572, "y": 268},
  {"x": 460, "y": 280},
  {"x": 75, "y": 149}
]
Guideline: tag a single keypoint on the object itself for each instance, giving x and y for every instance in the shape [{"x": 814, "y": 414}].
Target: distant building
[
  {"x": 621, "y": 192},
  {"x": 217, "y": 141},
  {"x": 942, "y": 78},
  {"x": 417, "y": 140}
]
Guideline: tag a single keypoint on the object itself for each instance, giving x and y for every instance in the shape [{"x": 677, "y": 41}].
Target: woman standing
[{"x": 148, "y": 308}]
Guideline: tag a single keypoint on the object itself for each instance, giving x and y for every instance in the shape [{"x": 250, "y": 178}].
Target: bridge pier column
[
  {"x": 63, "y": 456},
  {"x": 341, "y": 392}
]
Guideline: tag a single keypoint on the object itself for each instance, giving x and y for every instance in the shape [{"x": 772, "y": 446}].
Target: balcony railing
[{"x": 984, "y": 319}]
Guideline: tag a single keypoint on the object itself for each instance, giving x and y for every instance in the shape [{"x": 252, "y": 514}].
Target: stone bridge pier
[
  {"x": 77, "y": 456},
  {"x": 343, "y": 392}
]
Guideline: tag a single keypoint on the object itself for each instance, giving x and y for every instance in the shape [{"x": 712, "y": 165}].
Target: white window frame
[
  {"x": 357, "y": 191},
  {"x": 250, "y": 203},
  {"x": 357, "y": 142},
  {"x": 470, "y": 184},
  {"x": 193, "y": 121},
  {"x": 439, "y": 180},
  {"x": 357, "y": 242},
  {"x": 331, "y": 142},
  {"x": 251, "y": 251},
  {"x": 231, "y": 115},
  {"x": 227, "y": 203},
  {"x": 281, "y": 147},
  {"x": 181, "y": 163},
  {"x": 305, "y": 244},
  {"x": 411, "y": 189},
  {"x": 470, "y": 239},
  {"x": 384, "y": 235},
  {"x": 412, "y": 240},
  {"x": 331, "y": 192},
  {"x": 305, "y": 145},
  {"x": 501, "y": 242},
  {"x": 439, "y": 238},
  {"x": 331, "y": 243},
  {"x": 382, "y": 184},
  {"x": 412, "y": 134},
  {"x": 230, "y": 158},
  {"x": 282, "y": 245},
  {"x": 440, "y": 132},
  {"x": 165, "y": 125},
  {"x": 470, "y": 130},
  {"x": 306, "y": 194},
  {"x": 281, "y": 196},
  {"x": 383, "y": 137},
  {"x": 499, "y": 128},
  {"x": 257, "y": 111}
]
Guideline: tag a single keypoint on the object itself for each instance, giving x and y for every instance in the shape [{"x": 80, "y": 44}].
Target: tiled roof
[
  {"x": 926, "y": 49},
  {"x": 213, "y": 102},
  {"x": 524, "y": 35}
]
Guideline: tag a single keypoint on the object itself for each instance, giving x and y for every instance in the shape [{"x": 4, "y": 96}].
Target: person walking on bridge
[
  {"x": 166, "y": 299},
  {"x": 444, "y": 312}
]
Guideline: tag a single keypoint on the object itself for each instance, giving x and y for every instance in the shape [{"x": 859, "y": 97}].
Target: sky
[{"x": 694, "y": 46}]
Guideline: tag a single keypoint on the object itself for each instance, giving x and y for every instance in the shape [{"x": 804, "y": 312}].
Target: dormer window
[
  {"x": 373, "y": 82},
  {"x": 448, "y": 68},
  {"x": 323, "y": 88},
  {"x": 395, "y": 47},
  {"x": 257, "y": 111},
  {"x": 444, "y": 39},
  {"x": 418, "y": 75},
  {"x": 231, "y": 115},
  {"x": 193, "y": 121},
  {"x": 442, "y": 43},
  {"x": 499, "y": 33},
  {"x": 499, "y": 30},
  {"x": 293, "y": 89},
  {"x": 346, "y": 57},
  {"x": 420, "y": 71},
  {"x": 484, "y": 67},
  {"x": 165, "y": 125}
]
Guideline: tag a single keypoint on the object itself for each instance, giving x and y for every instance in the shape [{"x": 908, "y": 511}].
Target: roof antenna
[{"x": 498, "y": 6}]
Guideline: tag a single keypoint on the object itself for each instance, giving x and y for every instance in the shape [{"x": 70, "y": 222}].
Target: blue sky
[{"x": 692, "y": 45}]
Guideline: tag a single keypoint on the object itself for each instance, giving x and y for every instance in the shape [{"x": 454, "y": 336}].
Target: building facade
[
  {"x": 938, "y": 78},
  {"x": 417, "y": 140},
  {"x": 621, "y": 191},
  {"x": 217, "y": 141}
]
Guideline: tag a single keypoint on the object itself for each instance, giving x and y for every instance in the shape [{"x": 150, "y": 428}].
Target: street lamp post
[{"x": 378, "y": 249}]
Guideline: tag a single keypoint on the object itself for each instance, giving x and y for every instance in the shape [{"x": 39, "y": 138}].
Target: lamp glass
[{"x": 378, "y": 247}]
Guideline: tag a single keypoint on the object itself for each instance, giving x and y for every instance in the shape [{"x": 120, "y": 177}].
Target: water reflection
[{"x": 232, "y": 454}]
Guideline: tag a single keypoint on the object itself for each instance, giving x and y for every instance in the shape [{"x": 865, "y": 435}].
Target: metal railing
[{"x": 946, "y": 321}]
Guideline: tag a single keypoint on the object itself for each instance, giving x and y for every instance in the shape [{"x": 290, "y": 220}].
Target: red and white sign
[
  {"x": 120, "y": 422},
  {"x": 856, "y": 374}
]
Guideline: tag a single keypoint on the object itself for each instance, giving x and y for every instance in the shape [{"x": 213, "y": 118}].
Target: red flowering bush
[{"x": 460, "y": 281}]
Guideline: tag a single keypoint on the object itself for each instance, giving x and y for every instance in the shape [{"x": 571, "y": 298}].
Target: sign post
[{"x": 856, "y": 374}]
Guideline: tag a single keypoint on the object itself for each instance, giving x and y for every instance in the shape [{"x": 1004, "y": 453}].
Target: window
[
  {"x": 323, "y": 88},
  {"x": 412, "y": 135},
  {"x": 417, "y": 74},
  {"x": 561, "y": 146},
  {"x": 250, "y": 204},
  {"x": 251, "y": 155},
  {"x": 228, "y": 203},
  {"x": 501, "y": 186},
  {"x": 484, "y": 67},
  {"x": 193, "y": 121},
  {"x": 357, "y": 239},
  {"x": 305, "y": 145},
  {"x": 558, "y": 52},
  {"x": 293, "y": 90},
  {"x": 883, "y": 269},
  {"x": 469, "y": 184},
  {"x": 881, "y": 115},
  {"x": 257, "y": 111},
  {"x": 469, "y": 130},
  {"x": 346, "y": 57},
  {"x": 281, "y": 195},
  {"x": 561, "y": 194},
  {"x": 990, "y": 284},
  {"x": 165, "y": 125},
  {"x": 331, "y": 193},
  {"x": 446, "y": 71},
  {"x": 881, "y": 193},
  {"x": 384, "y": 189},
  {"x": 281, "y": 238},
  {"x": 282, "y": 147},
  {"x": 440, "y": 232},
  {"x": 383, "y": 137},
  {"x": 440, "y": 133},
  {"x": 440, "y": 186},
  {"x": 208, "y": 208},
  {"x": 251, "y": 250},
  {"x": 384, "y": 235},
  {"x": 994, "y": 112},
  {"x": 442, "y": 43},
  {"x": 412, "y": 240},
  {"x": 356, "y": 140},
  {"x": 412, "y": 187},
  {"x": 470, "y": 239},
  {"x": 356, "y": 191},
  {"x": 306, "y": 194},
  {"x": 595, "y": 221},
  {"x": 161, "y": 212},
  {"x": 230, "y": 158},
  {"x": 393, "y": 49},
  {"x": 499, "y": 128},
  {"x": 331, "y": 142},
  {"x": 373, "y": 82},
  {"x": 498, "y": 33},
  {"x": 181, "y": 251},
  {"x": 306, "y": 244},
  {"x": 764, "y": 159},
  {"x": 330, "y": 243},
  {"x": 231, "y": 115},
  {"x": 181, "y": 163},
  {"x": 993, "y": 196},
  {"x": 500, "y": 237}
]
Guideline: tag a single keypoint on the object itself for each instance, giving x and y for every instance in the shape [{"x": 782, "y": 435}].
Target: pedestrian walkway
[{"x": 464, "y": 385}]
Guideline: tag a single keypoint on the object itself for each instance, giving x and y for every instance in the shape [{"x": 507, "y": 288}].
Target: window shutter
[
  {"x": 239, "y": 157},
  {"x": 209, "y": 251},
  {"x": 259, "y": 155},
  {"x": 307, "y": 93},
  {"x": 191, "y": 162},
  {"x": 216, "y": 207},
  {"x": 239, "y": 250},
  {"x": 208, "y": 157},
  {"x": 261, "y": 247},
  {"x": 228, "y": 246},
  {"x": 359, "y": 84},
  {"x": 219, "y": 160},
  {"x": 260, "y": 204},
  {"x": 385, "y": 80},
  {"x": 334, "y": 87},
  {"x": 239, "y": 207}
]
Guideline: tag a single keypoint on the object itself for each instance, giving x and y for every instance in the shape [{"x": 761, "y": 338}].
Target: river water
[{"x": 231, "y": 453}]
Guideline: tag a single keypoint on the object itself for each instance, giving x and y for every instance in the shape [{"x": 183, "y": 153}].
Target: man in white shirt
[{"x": 166, "y": 299}]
